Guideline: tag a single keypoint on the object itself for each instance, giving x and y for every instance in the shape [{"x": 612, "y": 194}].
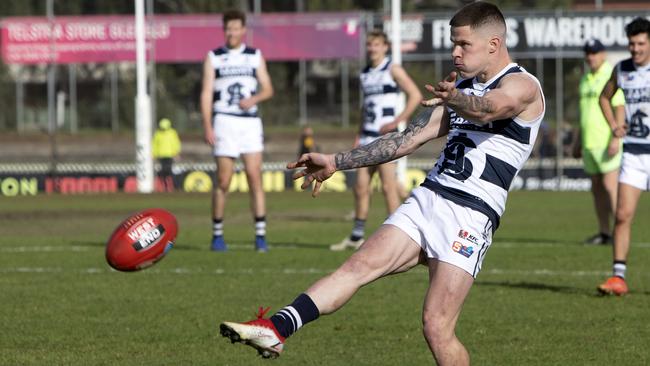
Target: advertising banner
[
  {"x": 176, "y": 38},
  {"x": 530, "y": 32},
  {"x": 200, "y": 179}
]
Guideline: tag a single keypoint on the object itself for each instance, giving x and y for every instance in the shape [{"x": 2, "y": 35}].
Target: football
[{"x": 141, "y": 240}]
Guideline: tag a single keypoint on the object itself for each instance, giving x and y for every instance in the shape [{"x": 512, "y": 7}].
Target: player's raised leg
[
  {"x": 387, "y": 251},
  {"x": 253, "y": 167},
  {"x": 219, "y": 193}
]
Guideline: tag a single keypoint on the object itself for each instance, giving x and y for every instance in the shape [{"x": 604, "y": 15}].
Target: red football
[{"x": 141, "y": 240}]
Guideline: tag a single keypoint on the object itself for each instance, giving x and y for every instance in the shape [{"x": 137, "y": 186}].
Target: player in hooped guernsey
[
  {"x": 235, "y": 80},
  {"x": 491, "y": 118},
  {"x": 480, "y": 161},
  {"x": 633, "y": 77},
  {"x": 380, "y": 93},
  {"x": 380, "y": 81}
]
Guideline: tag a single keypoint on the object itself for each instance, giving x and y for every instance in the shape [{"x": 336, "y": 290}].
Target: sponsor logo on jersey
[
  {"x": 236, "y": 71},
  {"x": 464, "y": 250}
]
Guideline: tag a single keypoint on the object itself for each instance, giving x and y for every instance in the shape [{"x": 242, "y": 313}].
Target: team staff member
[
  {"x": 633, "y": 76},
  {"x": 166, "y": 148},
  {"x": 235, "y": 80},
  {"x": 381, "y": 82},
  {"x": 600, "y": 163}
]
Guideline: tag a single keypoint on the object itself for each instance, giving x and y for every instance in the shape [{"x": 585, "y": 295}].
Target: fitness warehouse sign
[{"x": 535, "y": 32}]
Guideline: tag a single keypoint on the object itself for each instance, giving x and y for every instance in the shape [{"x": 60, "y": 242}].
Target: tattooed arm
[
  {"x": 429, "y": 124},
  {"x": 396, "y": 144},
  {"x": 517, "y": 95}
]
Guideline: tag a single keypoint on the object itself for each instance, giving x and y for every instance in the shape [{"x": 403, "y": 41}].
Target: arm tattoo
[
  {"x": 471, "y": 105},
  {"x": 385, "y": 148}
]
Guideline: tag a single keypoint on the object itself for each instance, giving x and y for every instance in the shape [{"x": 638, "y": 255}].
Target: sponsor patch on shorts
[
  {"x": 464, "y": 234},
  {"x": 465, "y": 250}
]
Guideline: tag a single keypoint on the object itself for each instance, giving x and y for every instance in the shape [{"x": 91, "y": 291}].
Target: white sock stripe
[
  {"x": 285, "y": 312},
  {"x": 217, "y": 228},
  {"x": 260, "y": 228},
  {"x": 294, "y": 312}
]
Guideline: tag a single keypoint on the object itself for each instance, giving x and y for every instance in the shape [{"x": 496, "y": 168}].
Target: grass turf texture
[{"x": 534, "y": 303}]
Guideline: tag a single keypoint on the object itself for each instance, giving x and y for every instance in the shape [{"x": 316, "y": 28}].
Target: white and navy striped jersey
[
  {"x": 479, "y": 162},
  {"x": 635, "y": 82},
  {"x": 235, "y": 72},
  {"x": 380, "y": 93}
]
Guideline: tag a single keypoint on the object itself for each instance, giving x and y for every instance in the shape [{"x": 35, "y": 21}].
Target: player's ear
[{"x": 494, "y": 44}]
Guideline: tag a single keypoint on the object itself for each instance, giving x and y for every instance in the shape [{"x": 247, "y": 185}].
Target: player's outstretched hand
[
  {"x": 318, "y": 167},
  {"x": 442, "y": 92}
]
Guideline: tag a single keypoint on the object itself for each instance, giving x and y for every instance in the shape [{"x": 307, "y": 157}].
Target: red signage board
[{"x": 176, "y": 38}]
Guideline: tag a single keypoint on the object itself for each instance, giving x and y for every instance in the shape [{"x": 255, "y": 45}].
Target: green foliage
[{"x": 534, "y": 303}]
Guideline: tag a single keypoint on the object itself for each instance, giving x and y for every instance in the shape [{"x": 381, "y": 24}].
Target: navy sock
[
  {"x": 292, "y": 317},
  {"x": 359, "y": 229}
]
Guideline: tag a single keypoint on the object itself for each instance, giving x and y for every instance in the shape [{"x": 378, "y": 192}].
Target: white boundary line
[{"x": 497, "y": 244}]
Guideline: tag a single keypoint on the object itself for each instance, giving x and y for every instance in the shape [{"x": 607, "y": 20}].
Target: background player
[
  {"x": 492, "y": 116},
  {"x": 235, "y": 80},
  {"x": 380, "y": 81},
  {"x": 633, "y": 76}
]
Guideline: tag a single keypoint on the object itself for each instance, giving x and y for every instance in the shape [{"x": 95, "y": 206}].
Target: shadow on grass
[
  {"x": 554, "y": 288},
  {"x": 540, "y": 287}
]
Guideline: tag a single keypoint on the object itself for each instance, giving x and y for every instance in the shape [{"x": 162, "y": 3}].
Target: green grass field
[{"x": 534, "y": 303}]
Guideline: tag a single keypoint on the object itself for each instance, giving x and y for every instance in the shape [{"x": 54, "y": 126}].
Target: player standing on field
[
  {"x": 381, "y": 82},
  {"x": 633, "y": 76},
  {"x": 235, "y": 80},
  {"x": 491, "y": 115}
]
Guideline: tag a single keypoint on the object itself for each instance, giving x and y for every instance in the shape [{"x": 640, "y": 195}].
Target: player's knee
[
  {"x": 436, "y": 331},
  {"x": 222, "y": 186},
  {"x": 624, "y": 215},
  {"x": 361, "y": 190},
  {"x": 388, "y": 188}
]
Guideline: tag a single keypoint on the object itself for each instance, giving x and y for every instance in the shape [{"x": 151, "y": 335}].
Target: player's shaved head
[{"x": 480, "y": 15}]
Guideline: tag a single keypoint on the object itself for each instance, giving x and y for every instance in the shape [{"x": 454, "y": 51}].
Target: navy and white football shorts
[{"x": 446, "y": 231}]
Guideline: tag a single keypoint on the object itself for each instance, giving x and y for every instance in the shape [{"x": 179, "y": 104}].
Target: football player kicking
[{"x": 491, "y": 115}]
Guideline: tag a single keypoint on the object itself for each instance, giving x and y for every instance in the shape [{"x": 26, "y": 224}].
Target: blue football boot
[
  {"x": 260, "y": 244},
  {"x": 218, "y": 244}
]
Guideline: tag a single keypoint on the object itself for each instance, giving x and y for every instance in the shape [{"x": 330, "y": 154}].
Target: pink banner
[{"x": 176, "y": 38}]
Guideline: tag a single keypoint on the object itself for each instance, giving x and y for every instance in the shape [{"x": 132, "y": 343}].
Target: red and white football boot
[{"x": 259, "y": 334}]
